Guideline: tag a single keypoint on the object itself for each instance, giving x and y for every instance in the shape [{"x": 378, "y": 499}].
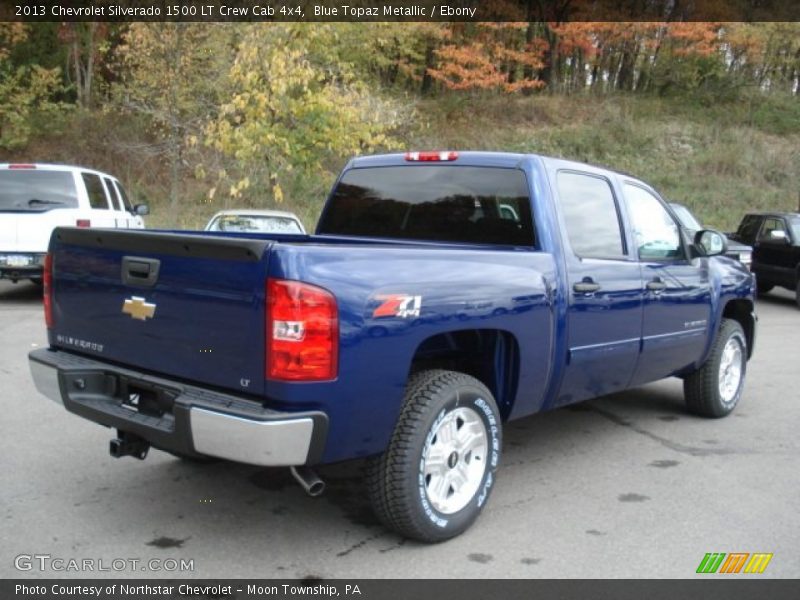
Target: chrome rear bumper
[{"x": 190, "y": 420}]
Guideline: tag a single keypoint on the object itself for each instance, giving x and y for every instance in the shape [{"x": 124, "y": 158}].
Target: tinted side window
[
  {"x": 125, "y": 201},
  {"x": 655, "y": 231},
  {"x": 590, "y": 214},
  {"x": 95, "y": 190},
  {"x": 112, "y": 193},
  {"x": 771, "y": 224}
]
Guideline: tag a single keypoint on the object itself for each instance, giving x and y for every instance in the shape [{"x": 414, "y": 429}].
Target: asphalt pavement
[{"x": 628, "y": 485}]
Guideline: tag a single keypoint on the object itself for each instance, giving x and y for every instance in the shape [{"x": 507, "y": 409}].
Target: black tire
[
  {"x": 396, "y": 480},
  {"x": 701, "y": 389}
]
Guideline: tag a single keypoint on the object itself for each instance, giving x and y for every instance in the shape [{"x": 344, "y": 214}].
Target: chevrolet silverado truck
[
  {"x": 775, "y": 237},
  {"x": 442, "y": 295}
]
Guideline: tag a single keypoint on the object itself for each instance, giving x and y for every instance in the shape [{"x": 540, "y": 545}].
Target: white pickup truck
[{"x": 37, "y": 198}]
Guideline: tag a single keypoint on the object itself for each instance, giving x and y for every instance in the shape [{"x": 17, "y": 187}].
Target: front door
[{"x": 677, "y": 289}]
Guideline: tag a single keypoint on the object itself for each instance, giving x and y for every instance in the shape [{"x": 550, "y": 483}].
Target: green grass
[{"x": 721, "y": 160}]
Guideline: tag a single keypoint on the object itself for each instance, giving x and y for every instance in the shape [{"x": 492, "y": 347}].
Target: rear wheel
[
  {"x": 715, "y": 388},
  {"x": 436, "y": 476}
]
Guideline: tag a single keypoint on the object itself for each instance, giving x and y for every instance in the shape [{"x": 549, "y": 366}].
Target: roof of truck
[
  {"x": 476, "y": 158},
  {"x": 51, "y": 167}
]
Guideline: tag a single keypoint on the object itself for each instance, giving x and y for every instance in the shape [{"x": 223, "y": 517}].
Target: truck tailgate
[{"x": 182, "y": 305}]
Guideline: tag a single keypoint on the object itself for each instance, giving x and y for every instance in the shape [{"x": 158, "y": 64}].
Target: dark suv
[{"x": 775, "y": 237}]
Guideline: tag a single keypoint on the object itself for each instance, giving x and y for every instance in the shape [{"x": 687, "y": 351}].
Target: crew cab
[
  {"x": 37, "y": 198},
  {"x": 775, "y": 237},
  {"x": 442, "y": 295}
]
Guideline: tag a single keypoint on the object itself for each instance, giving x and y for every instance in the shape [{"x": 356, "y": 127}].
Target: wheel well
[
  {"x": 742, "y": 311},
  {"x": 489, "y": 355}
]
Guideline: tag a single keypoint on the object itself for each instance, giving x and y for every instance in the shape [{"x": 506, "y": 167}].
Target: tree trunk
[
  {"x": 530, "y": 34},
  {"x": 88, "y": 75},
  {"x": 175, "y": 142},
  {"x": 626, "y": 73},
  {"x": 76, "y": 65},
  {"x": 427, "y": 80}
]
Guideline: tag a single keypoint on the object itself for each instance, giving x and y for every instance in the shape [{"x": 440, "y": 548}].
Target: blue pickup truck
[{"x": 442, "y": 295}]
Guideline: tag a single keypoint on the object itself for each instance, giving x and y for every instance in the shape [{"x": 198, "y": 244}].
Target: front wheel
[
  {"x": 715, "y": 389},
  {"x": 436, "y": 476}
]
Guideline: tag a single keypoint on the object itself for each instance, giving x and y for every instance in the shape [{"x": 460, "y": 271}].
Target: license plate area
[{"x": 18, "y": 260}]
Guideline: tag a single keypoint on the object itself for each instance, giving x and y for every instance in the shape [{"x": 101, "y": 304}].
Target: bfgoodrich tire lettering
[
  {"x": 715, "y": 389},
  {"x": 439, "y": 470}
]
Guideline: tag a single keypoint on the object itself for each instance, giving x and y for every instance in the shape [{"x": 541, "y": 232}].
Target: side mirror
[
  {"x": 141, "y": 209},
  {"x": 778, "y": 235},
  {"x": 710, "y": 242}
]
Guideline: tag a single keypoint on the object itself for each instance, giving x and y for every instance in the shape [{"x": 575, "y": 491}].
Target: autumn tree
[
  {"x": 26, "y": 91},
  {"x": 292, "y": 104},
  {"x": 174, "y": 76},
  {"x": 489, "y": 56},
  {"x": 87, "y": 47}
]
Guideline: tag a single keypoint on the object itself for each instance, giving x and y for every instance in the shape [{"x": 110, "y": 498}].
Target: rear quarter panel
[{"x": 460, "y": 289}]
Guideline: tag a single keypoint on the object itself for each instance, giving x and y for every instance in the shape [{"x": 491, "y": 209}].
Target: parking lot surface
[{"x": 628, "y": 485}]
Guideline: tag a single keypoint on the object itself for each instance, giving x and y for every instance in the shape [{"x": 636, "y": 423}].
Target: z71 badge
[{"x": 398, "y": 305}]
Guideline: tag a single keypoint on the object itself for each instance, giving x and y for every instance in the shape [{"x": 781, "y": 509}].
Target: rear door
[
  {"x": 605, "y": 289},
  {"x": 677, "y": 289},
  {"x": 183, "y": 306}
]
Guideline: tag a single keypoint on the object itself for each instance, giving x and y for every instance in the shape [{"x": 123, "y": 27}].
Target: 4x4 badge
[{"x": 138, "y": 308}]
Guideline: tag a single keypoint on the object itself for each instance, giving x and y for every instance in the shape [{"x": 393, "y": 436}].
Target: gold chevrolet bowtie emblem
[{"x": 138, "y": 308}]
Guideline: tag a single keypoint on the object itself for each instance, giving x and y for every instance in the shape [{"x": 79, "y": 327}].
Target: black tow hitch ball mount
[{"x": 128, "y": 444}]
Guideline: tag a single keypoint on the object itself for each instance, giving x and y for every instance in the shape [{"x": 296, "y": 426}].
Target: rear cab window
[
  {"x": 461, "y": 204},
  {"x": 749, "y": 227},
  {"x": 36, "y": 190},
  {"x": 95, "y": 190}
]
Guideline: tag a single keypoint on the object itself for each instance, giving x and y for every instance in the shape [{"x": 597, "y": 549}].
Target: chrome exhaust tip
[{"x": 308, "y": 480}]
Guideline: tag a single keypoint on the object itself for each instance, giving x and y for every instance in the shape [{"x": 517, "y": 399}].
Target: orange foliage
[{"x": 496, "y": 57}]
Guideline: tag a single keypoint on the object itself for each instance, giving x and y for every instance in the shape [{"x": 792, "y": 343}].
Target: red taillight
[
  {"x": 431, "y": 156},
  {"x": 21, "y": 166},
  {"x": 47, "y": 289},
  {"x": 302, "y": 332},
  {"x": 83, "y": 223}
]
